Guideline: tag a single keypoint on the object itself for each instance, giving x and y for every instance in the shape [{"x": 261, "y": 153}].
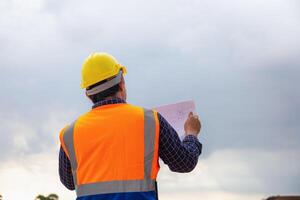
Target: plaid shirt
[{"x": 180, "y": 156}]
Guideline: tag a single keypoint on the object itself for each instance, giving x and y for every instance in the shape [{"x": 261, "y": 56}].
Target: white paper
[{"x": 176, "y": 114}]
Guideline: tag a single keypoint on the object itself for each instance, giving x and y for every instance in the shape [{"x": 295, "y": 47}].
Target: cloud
[
  {"x": 209, "y": 195},
  {"x": 243, "y": 172},
  {"x": 238, "y": 60},
  {"x": 234, "y": 33},
  {"x": 230, "y": 174},
  {"x": 26, "y": 177},
  {"x": 24, "y": 135}
]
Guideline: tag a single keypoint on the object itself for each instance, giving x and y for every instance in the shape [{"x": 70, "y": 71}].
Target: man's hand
[{"x": 192, "y": 125}]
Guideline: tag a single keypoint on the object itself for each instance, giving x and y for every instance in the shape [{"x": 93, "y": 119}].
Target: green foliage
[
  {"x": 49, "y": 197},
  {"x": 40, "y": 197},
  {"x": 52, "y": 197}
]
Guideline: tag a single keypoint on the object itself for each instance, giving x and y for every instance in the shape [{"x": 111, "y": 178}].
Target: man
[{"x": 112, "y": 151}]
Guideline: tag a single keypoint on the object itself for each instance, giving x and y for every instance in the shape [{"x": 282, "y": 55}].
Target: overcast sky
[{"x": 239, "y": 61}]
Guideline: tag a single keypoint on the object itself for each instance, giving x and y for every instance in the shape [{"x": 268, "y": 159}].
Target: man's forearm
[{"x": 179, "y": 156}]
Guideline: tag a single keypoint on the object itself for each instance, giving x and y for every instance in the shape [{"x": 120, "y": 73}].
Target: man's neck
[
  {"x": 117, "y": 95},
  {"x": 113, "y": 97}
]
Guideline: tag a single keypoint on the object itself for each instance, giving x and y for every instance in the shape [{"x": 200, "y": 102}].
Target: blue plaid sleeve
[
  {"x": 180, "y": 156},
  {"x": 65, "y": 172}
]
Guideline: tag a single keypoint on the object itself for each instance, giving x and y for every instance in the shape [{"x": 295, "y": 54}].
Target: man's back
[{"x": 114, "y": 150}]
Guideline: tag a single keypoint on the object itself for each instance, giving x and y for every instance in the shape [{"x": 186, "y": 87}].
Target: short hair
[{"x": 106, "y": 93}]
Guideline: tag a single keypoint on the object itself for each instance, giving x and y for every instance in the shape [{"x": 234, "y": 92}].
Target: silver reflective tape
[
  {"x": 115, "y": 187},
  {"x": 149, "y": 142},
  {"x": 105, "y": 85},
  {"x": 69, "y": 143}
]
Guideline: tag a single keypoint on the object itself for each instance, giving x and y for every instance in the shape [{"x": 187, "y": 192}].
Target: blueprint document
[{"x": 176, "y": 114}]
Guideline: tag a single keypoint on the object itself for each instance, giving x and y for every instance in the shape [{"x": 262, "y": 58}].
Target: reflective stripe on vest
[{"x": 146, "y": 184}]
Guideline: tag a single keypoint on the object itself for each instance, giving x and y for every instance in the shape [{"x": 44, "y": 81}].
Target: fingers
[
  {"x": 191, "y": 114},
  {"x": 192, "y": 125}
]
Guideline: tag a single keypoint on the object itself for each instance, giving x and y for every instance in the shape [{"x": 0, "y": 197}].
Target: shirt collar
[{"x": 114, "y": 100}]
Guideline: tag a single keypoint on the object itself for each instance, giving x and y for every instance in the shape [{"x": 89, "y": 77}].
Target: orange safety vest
[{"x": 113, "y": 151}]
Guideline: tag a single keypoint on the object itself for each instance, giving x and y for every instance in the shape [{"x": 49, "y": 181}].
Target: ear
[{"x": 122, "y": 84}]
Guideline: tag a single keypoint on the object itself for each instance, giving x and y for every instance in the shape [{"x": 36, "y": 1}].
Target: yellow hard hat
[{"x": 98, "y": 67}]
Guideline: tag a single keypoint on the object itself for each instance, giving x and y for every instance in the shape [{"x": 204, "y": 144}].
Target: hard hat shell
[{"x": 98, "y": 67}]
